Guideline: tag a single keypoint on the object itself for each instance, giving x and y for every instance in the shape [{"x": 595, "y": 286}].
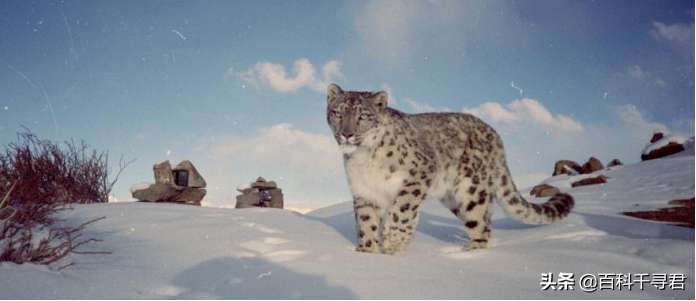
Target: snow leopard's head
[{"x": 351, "y": 114}]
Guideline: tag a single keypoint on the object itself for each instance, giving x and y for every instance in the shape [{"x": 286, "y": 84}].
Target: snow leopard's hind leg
[{"x": 470, "y": 202}]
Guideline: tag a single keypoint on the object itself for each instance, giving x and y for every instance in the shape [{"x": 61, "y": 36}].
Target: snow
[
  {"x": 662, "y": 142},
  {"x": 178, "y": 251}
]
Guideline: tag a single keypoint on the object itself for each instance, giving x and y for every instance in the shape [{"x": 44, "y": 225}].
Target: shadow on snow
[{"x": 253, "y": 278}]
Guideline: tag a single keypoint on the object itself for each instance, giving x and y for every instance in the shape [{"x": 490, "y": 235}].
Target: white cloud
[
  {"x": 304, "y": 75},
  {"x": 680, "y": 33},
  {"x": 636, "y": 72},
  {"x": 422, "y": 107},
  {"x": 384, "y": 28},
  {"x": 286, "y": 144},
  {"x": 678, "y": 36},
  {"x": 524, "y": 111},
  {"x": 308, "y": 167},
  {"x": 631, "y": 116},
  {"x": 392, "y": 32}
]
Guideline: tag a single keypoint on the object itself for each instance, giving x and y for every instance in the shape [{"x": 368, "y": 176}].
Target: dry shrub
[{"x": 48, "y": 176}]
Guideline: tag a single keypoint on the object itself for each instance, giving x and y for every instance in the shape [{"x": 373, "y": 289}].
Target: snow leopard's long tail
[{"x": 518, "y": 208}]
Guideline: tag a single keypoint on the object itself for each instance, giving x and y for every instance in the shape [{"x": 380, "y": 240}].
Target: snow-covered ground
[{"x": 179, "y": 251}]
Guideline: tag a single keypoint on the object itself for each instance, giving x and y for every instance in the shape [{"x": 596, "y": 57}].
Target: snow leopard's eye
[{"x": 335, "y": 113}]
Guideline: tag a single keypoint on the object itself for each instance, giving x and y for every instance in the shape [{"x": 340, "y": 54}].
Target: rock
[
  {"x": 615, "y": 162},
  {"x": 544, "y": 190},
  {"x": 592, "y": 165},
  {"x": 670, "y": 148},
  {"x": 247, "y": 190},
  {"x": 590, "y": 181},
  {"x": 662, "y": 145},
  {"x": 163, "y": 173},
  {"x": 261, "y": 183},
  {"x": 191, "y": 196},
  {"x": 182, "y": 184},
  {"x": 261, "y": 193},
  {"x": 163, "y": 193},
  {"x": 682, "y": 202},
  {"x": 566, "y": 167},
  {"x": 186, "y": 175},
  {"x": 248, "y": 200},
  {"x": 271, "y": 198},
  {"x": 656, "y": 136},
  {"x": 681, "y": 215},
  {"x": 264, "y": 185},
  {"x": 157, "y": 192},
  {"x": 275, "y": 198}
]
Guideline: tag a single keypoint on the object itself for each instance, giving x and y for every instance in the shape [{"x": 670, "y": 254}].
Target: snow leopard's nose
[{"x": 349, "y": 137}]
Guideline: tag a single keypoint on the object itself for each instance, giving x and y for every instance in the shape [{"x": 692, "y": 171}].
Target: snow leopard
[{"x": 394, "y": 160}]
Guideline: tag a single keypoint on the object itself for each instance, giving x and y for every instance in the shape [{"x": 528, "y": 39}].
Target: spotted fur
[{"x": 394, "y": 160}]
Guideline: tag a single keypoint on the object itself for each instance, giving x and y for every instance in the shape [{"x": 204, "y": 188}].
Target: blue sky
[{"x": 237, "y": 86}]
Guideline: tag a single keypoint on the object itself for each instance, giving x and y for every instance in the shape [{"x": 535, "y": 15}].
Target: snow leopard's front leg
[
  {"x": 401, "y": 219},
  {"x": 367, "y": 220}
]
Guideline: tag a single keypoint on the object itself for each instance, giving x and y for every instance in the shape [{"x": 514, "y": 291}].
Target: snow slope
[{"x": 179, "y": 251}]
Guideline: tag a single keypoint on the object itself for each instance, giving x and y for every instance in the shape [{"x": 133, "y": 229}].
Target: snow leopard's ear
[
  {"x": 332, "y": 92},
  {"x": 381, "y": 99}
]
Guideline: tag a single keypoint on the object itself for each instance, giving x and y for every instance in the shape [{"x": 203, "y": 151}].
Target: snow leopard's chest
[{"x": 371, "y": 179}]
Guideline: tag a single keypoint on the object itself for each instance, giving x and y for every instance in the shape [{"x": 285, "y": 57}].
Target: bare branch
[
  {"x": 5, "y": 199},
  {"x": 48, "y": 177}
]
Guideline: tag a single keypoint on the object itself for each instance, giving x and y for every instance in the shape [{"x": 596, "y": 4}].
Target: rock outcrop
[
  {"x": 186, "y": 175},
  {"x": 566, "y": 167},
  {"x": 590, "y": 181},
  {"x": 182, "y": 184},
  {"x": 681, "y": 213},
  {"x": 656, "y": 137},
  {"x": 260, "y": 193},
  {"x": 572, "y": 168},
  {"x": 615, "y": 162},
  {"x": 593, "y": 164},
  {"x": 668, "y": 149},
  {"x": 662, "y": 145}
]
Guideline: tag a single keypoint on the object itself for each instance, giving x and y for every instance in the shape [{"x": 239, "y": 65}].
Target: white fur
[
  {"x": 347, "y": 148},
  {"x": 439, "y": 187},
  {"x": 367, "y": 179}
]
